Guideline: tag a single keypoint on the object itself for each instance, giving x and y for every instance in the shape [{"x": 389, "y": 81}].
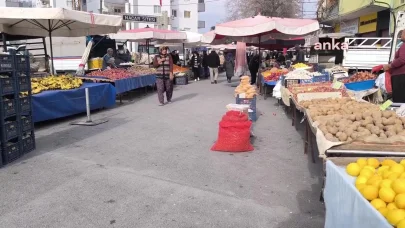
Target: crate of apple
[{"x": 112, "y": 74}]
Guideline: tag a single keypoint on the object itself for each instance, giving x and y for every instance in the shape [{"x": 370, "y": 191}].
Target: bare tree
[{"x": 273, "y": 8}]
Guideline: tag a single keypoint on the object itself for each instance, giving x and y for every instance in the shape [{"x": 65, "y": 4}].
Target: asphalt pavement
[{"x": 151, "y": 167}]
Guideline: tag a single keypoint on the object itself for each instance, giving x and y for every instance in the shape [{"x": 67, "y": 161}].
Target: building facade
[
  {"x": 363, "y": 18},
  {"x": 185, "y": 15}
]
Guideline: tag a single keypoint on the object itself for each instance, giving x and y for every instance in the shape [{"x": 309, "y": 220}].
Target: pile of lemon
[
  {"x": 300, "y": 65},
  {"x": 383, "y": 184}
]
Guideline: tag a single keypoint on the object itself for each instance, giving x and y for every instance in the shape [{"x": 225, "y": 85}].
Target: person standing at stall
[
  {"x": 397, "y": 71},
  {"x": 195, "y": 65},
  {"x": 213, "y": 63},
  {"x": 229, "y": 66},
  {"x": 300, "y": 54},
  {"x": 108, "y": 60},
  {"x": 163, "y": 63},
  {"x": 254, "y": 66}
]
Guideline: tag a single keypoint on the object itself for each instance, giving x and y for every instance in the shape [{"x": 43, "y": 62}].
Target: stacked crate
[
  {"x": 17, "y": 129},
  {"x": 252, "y": 106}
]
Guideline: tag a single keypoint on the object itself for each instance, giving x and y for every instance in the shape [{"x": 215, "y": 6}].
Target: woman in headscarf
[
  {"x": 229, "y": 66},
  {"x": 164, "y": 75}
]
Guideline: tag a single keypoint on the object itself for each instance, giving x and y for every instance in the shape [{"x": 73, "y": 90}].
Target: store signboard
[
  {"x": 350, "y": 26},
  {"x": 368, "y": 23},
  {"x": 139, "y": 18},
  {"x": 337, "y": 27}
]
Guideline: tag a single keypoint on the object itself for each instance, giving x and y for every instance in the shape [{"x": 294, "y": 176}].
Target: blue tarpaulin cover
[
  {"x": 128, "y": 84},
  {"x": 61, "y": 103},
  {"x": 345, "y": 206}
]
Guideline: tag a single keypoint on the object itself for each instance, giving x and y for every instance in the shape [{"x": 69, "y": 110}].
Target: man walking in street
[{"x": 213, "y": 63}]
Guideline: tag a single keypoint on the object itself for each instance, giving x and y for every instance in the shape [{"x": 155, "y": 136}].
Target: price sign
[
  {"x": 337, "y": 85},
  {"x": 385, "y": 105}
]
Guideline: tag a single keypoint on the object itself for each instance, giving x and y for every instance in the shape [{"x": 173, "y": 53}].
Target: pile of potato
[
  {"x": 245, "y": 87},
  {"x": 344, "y": 120}
]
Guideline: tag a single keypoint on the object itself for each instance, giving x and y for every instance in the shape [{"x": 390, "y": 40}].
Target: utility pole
[
  {"x": 302, "y": 8},
  {"x": 101, "y": 6}
]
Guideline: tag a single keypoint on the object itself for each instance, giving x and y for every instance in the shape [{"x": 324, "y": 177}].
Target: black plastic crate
[
  {"x": 26, "y": 123},
  {"x": 7, "y": 85},
  {"x": 28, "y": 143},
  {"x": 182, "y": 80},
  {"x": 6, "y": 62},
  {"x": 21, "y": 62},
  {"x": 25, "y": 104},
  {"x": 24, "y": 83},
  {"x": 11, "y": 152},
  {"x": 9, "y": 107},
  {"x": 10, "y": 130}
]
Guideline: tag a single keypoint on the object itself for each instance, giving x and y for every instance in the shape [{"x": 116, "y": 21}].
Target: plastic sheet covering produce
[
  {"x": 345, "y": 206},
  {"x": 55, "y": 104},
  {"x": 240, "y": 60}
]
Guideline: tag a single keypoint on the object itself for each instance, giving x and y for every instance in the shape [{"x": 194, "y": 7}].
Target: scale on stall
[
  {"x": 89, "y": 121},
  {"x": 338, "y": 75}
]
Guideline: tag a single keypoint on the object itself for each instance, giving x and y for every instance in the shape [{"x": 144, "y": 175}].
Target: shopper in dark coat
[
  {"x": 300, "y": 54},
  {"x": 254, "y": 66},
  {"x": 213, "y": 63},
  {"x": 205, "y": 65},
  {"x": 196, "y": 65},
  {"x": 229, "y": 66}
]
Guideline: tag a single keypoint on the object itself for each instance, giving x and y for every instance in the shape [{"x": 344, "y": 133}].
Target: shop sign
[
  {"x": 337, "y": 27},
  {"x": 351, "y": 26},
  {"x": 139, "y": 18},
  {"x": 368, "y": 23}
]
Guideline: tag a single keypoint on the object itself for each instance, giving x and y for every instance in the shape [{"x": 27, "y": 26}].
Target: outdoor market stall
[{"x": 50, "y": 22}]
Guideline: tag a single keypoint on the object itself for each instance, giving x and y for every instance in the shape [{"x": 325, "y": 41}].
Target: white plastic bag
[
  {"x": 380, "y": 82},
  {"x": 277, "y": 90}
]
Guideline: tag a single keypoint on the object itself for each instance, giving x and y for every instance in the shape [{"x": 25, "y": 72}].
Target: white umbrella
[
  {"x": 58, "y": 22},
  {"x": 147, "y": 35}
]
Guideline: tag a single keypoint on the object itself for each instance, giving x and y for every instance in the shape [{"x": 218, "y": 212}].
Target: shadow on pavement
[
  {"x": 71, "y": 136},
  {"x": 184, "y": 97}
]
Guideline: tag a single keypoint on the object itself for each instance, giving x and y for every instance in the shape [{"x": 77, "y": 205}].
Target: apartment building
[{"x": 185, "y": 15}]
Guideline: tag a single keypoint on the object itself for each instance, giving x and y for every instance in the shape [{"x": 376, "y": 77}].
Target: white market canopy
[
  {"x": 193, "y": 39},
  {"x": 261, "y": 28},
  {"x": 148, "y": 34},
  {"x": 58, "y": 22}
]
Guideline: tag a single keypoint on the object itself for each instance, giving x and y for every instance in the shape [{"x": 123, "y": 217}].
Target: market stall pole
[
  {"x": 58, "y": 22},
  {"x": 89, "y": 121}
]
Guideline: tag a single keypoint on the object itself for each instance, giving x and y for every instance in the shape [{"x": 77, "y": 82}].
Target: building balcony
[{"x": 201, "y": 24}]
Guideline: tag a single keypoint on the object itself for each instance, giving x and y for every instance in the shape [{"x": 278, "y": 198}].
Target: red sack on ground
[
  {"x": 233, "y": 137},
  {"x": 235, "y": 118}
]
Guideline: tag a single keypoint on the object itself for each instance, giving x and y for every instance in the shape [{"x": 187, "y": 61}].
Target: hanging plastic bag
[{"x": 277, "y": 89}]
